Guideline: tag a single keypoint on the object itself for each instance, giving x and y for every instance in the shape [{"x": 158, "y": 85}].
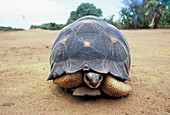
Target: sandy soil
[{"x": 24, "y": 68}]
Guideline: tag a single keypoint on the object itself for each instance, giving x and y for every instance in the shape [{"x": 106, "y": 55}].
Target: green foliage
[
  {"x": 131, "y": 14},
  {"x": 48, "y": 26},
  {"x": 145, "y": 14},
  {"x": 157, "y": 11},
  {"x": 2, "y": 28},
  {"x": 84, "y": 9},
  {"x": 118, "y": 24},
  {"x": 136, "y": 14},
  {"x": 110, "y": 20}
]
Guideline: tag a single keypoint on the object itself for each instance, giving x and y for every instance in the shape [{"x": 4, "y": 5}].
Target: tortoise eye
[
  {"x": 87, "y": 78},
  {"x": 100, "y": 77}
]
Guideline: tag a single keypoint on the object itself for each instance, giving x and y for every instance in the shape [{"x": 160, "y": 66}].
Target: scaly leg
[
  {"x": 114, "y": 87},
  {"x": 69, "y": 80}
]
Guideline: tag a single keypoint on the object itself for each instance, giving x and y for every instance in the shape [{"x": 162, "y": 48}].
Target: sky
[{"x": 24, "y": 13}]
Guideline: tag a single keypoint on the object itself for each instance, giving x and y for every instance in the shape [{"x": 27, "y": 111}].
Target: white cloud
[
  {"x": 25, "y": 7},
  {"x": 24, "y": 13}
]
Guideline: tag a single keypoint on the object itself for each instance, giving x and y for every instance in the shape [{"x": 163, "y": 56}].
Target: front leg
[
  {"x": 69, "y": 80},
  {"x": 114, "y": 87}
]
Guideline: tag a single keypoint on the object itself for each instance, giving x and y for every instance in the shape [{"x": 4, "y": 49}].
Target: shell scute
[{"x": 90, "y": 43}]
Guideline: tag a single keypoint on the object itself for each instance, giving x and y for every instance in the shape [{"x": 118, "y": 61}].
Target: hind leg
[
  {"x": 69, "y": 80},
  {"x": 114, "y": 87}
]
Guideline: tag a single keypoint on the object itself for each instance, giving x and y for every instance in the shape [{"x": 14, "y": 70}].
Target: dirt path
[{"x": 24, "y": 68}]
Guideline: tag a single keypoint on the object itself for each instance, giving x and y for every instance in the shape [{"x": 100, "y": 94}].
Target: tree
[
  {"x": 110, "y": 20},
  {"x": 157, "y": 12},
  {"x": 84, "y": 9},
  {"x": 145, "y": 14},
  {"x": 130, "y": 14}
]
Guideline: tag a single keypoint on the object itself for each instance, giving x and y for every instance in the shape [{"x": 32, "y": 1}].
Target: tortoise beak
[{"x": 94, "y": 85}]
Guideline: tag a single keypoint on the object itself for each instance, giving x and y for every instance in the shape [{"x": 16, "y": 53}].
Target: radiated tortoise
[{"x": 91, "y": 56}]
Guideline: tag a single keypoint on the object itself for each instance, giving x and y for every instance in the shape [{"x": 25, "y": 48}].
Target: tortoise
[{"x": 91, "y": 57}]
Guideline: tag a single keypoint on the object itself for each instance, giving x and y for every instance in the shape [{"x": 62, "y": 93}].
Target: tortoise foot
[
  {"x": 82, "y": 91},
  {"x": 114, "y": 87},
  {"x": 69, "y": 80}
]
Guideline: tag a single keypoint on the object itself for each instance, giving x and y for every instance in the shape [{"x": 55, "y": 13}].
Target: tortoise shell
[{"x": 90, "y": 43}]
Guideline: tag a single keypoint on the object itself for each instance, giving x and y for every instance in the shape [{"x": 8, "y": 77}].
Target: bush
[
  {"x": 48, "y": 26},
  {"x": 2, "y": 28}
]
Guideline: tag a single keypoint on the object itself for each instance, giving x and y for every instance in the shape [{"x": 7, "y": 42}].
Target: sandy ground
[{"x": 24, "y": 68}]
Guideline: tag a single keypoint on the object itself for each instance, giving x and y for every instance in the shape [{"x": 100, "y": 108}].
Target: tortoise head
[{"x": 93, "y": 80}]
